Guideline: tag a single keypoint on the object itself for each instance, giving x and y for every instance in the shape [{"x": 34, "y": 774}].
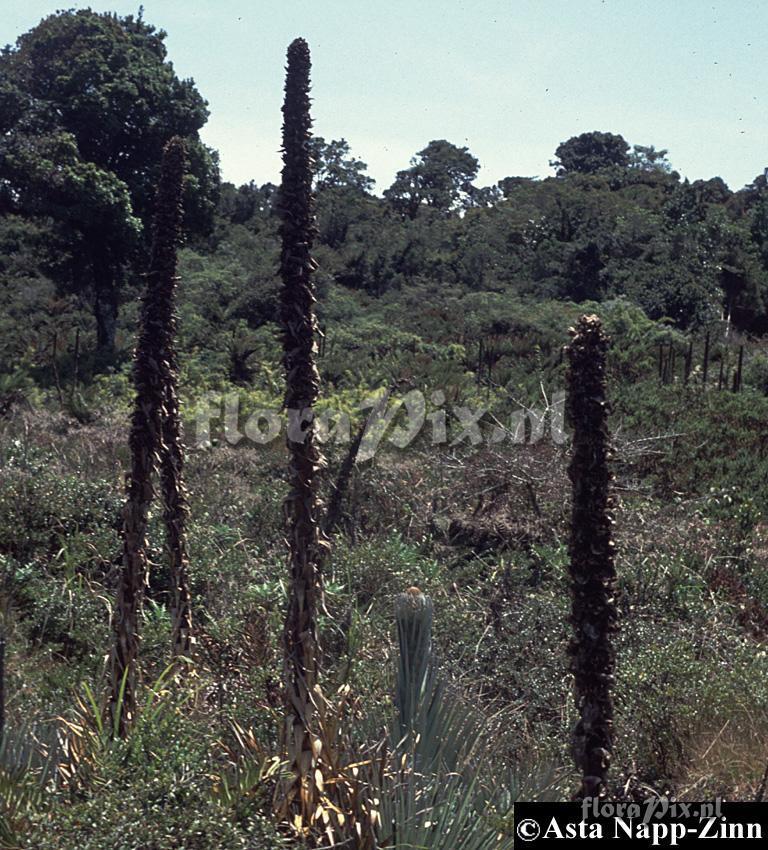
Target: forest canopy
[{"x": 89, "y": 99}]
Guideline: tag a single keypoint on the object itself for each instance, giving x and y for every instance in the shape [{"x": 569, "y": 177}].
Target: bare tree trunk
[
  {"x": 306, "y": 544},
  {"x": 105, "y": 308},
  {"x": 592, "y": 570},
  {"x": 75, "y": 364},
  {"x": 705, "y": 367},
  {"x": 149, "y": 421},
  {"x": 341, "y": 485},
  {"x": 55, "y": 367},
  {"x": 737, "y": 373},
  {"x": 688, "y": 361}
]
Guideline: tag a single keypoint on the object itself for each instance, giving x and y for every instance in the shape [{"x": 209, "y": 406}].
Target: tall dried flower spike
[
  {"x": 163, "y": 276},
  {"x": 306, "y": 544},
  {"x": 592, "y": 570},
  {"x": 149, "y": 423}
]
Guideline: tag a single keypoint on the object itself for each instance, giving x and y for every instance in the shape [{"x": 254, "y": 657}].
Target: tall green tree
[
  {"x": 88, "y": 100},
  {"x": 649, "y": 158},
  {"x": 342, "y": 189},
  {"x": 440, "y": 177},
  {"x": 588, "y": 153},
  {"x": 337, "y": 168},
  {"x": 242, "y": 204}
]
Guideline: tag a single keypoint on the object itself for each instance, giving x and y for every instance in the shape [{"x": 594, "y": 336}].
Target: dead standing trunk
[
  {"x": 738, "y": 373},
  {"x": 105, "y": 307},
  {"x": 688, "y": 362},
  {"x": 302, "y": 652},
  {"x": 705, "y": 367},
  {"x": 592, "y": 570},
  {"x": 336, "y": 501}
]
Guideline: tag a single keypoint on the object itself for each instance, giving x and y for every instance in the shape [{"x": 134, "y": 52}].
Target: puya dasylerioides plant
[
  {"x": 416, "y": 675},
  {"x": 592, "y": 569},
  {"x": 433, "y": 794},
  {"x": 163, "y": 275},
  {"x": 306, "y": 542},
  {"x": 152, "y": 371}
]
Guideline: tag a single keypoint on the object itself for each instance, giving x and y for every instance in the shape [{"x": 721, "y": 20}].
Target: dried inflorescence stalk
[
  {"x": 163, "y": 276},
  {"x": 154, "y": 442},
  {"x": 306, "y": 543},
  {"x": 592, "y": 570}
]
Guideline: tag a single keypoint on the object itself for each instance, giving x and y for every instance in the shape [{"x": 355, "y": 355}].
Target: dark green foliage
[
  {"x": 681, "y": 251},
  {"x": 591, "y": 152},
  {"x": 720, "y": 438},
  {"x": 152, "y": 819},
  {"x": 336, "y": 167},
  {"x": 90, "y": 102},
  {"x": 440, "y": 178},
  {"x": 109, "y": 84},
  {"x": 39, "y": 511}
]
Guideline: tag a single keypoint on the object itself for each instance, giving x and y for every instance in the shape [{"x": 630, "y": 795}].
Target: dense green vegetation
[{"x": 461, "y": 293}]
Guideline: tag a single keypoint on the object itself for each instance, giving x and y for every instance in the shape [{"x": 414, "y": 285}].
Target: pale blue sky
[{"x": 508, "y": 78}]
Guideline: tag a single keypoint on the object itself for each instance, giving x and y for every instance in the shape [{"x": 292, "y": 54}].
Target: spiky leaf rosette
[
  {"x": 435, "y": 793},
  {"x": 415, "y": 672},
  {"x": 297, "y": 231},
  {"x": 592, "y": 569}
]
